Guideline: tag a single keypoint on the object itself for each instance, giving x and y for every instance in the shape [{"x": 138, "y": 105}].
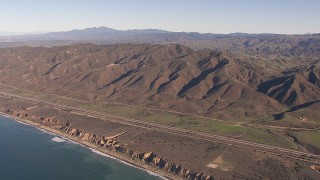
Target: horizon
[
  {"x": 216, "y": 17},
  {"x": 8, "y": 34}
]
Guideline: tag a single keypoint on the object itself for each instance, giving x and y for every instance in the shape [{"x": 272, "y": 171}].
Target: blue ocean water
[{"x": 27, "y": 153}]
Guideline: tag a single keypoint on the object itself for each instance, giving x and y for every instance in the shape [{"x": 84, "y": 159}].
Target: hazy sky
[{"x": 215, "y": 16}]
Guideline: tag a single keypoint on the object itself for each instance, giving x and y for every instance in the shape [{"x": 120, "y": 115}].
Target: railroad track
[{"x": 268, "y": 149}]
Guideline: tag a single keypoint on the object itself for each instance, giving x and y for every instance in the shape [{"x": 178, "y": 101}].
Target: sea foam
[
  {"x": 22, "y": 122},
  {"x": 46, "y": 132},
  {"x": 57, "y": 139}
]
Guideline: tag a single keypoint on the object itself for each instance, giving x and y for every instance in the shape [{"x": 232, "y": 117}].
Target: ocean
[{"x": 28, "y": 153}]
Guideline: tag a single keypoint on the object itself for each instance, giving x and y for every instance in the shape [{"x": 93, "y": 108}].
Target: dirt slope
[{"x": 166, "y": 76}]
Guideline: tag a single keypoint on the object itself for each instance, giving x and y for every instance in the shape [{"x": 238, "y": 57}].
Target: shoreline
[{"x": 112, "y": 155}]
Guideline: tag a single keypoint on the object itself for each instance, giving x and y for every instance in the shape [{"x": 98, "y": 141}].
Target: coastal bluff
[{"x": 108, "y": 143}]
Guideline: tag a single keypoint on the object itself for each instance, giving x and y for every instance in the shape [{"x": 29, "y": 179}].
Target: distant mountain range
[{"x": 262, "y": 45}]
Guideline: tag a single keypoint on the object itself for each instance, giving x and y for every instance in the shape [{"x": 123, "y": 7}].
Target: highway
[{"x": 267, "y": 149}]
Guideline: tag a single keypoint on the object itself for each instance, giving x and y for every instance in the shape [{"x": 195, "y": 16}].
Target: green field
[
  {"x": 312, "y": 138},
  {"x": 170, "y": 119},
  {"x": 258, "y": 136}
]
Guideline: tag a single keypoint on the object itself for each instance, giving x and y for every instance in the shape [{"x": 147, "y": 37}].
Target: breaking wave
[{"x": 57, "y": 139}]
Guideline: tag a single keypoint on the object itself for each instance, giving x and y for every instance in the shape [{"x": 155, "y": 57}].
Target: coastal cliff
[{"x": 109, "y": 144}]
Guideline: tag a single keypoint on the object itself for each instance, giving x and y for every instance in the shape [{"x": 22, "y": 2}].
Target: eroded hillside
[{"x": 211, "y": 83}]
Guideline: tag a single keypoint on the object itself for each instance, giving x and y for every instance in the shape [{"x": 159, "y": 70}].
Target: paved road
[{"x": 288, "y": 153}]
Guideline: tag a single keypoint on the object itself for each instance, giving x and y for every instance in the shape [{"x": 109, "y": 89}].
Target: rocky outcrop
[
  {"x": 52, "y": 122},
  {"x": 148, "y": 157},
  {"x": 111, "y": 144},
  {"x": 159, "y": 162},
  {"x": 316, "y": 168}
]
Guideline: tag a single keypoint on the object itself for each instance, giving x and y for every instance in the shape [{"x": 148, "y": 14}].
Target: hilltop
[{"x": 174, "y": 77}]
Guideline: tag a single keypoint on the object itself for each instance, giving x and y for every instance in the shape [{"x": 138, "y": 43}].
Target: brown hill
[
  {"x": 297, "y": 86},
  {"x": 167, "y": 76}
]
